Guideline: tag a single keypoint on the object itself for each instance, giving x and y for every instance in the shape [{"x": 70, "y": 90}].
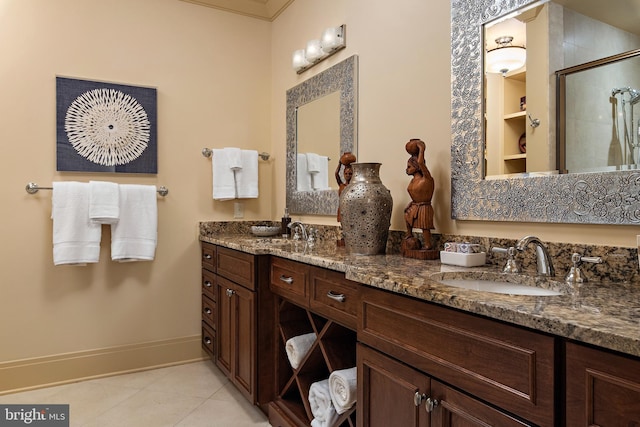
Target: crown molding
[{"x": 266, "y": 10}]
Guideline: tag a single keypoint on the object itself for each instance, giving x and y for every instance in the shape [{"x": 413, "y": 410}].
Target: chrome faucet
[
  {"x": 543, "y": 260},
  {"x": 302, "y": 229}
]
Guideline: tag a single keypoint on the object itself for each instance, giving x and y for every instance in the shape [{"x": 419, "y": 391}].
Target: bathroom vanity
[
  {"x": 237, "y": 314},
  {"x": 429, "y": 354}
]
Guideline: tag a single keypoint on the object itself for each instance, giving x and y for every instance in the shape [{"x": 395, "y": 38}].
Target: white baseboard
[{"x": 28, "y": 374}]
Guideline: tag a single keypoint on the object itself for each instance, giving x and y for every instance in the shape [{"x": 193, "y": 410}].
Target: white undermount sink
[{"x": 501, "y": 283}]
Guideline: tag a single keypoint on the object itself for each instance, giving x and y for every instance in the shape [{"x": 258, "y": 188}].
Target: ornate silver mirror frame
[
  {"x": 590, "y": 198},
  {"x": 340, "y": 77}
]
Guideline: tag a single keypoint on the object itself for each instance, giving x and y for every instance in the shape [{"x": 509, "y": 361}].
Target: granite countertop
[{"x": 602, "y": 314}]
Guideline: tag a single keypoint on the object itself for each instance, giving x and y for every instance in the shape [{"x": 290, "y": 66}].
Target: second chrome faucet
[{"x": 543, "y": 260}]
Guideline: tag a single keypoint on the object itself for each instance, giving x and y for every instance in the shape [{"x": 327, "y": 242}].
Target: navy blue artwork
[{"x": 105, "y": 127}]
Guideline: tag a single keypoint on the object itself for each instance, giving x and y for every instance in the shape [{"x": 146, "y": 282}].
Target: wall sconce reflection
[{"x": 332, "y": 40}]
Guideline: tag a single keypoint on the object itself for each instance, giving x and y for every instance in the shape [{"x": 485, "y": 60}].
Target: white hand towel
[
  {"x": 135, "y": 236},
  {"x": 76, "y": 240},
  {"x": 247, "y": 177},
  {"x": 104, "y": 202},
  {"x": 298, "y": 347},
  {"x": 321, "y": 407},
  {"x": 234, "y": 158},
  {"x": 313, "y": 163},
  {"x": 343, "y": 388},
  {"x": 318, "y": 167},
  {"x": 224, "y": 183},
  {"x": 303, "y": 177}
]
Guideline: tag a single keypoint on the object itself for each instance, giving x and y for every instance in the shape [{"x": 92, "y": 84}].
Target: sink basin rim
[{"x": 502, "y": 283}]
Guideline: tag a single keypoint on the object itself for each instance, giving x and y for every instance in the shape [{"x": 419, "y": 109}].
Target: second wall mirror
[{"x": 321, "y": 122}]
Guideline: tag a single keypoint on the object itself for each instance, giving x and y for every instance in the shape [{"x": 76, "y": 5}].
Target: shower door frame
[{"x": 561, "y": 77}]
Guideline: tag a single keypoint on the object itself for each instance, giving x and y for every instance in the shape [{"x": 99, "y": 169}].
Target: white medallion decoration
[{"x": 107, "y": 127}]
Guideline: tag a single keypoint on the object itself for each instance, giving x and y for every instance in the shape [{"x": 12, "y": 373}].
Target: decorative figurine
[
  {"x": 419, "y": 212},
  {"x": 345, "y": 160}
]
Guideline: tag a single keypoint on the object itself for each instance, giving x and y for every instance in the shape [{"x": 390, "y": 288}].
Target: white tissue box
[{"x": 463, "y": 259}]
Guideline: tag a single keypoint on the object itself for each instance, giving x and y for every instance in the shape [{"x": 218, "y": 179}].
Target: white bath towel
[
  {"x": 343, "y": 388},
  {"x": 298, "y": 347},
  {"x": 76, "y": 239},
  {"x": 303, "y": 177},
  {"x": 135, "y": 236},
  {"x": 321, "y": 407},
  {"x": 224, "y": 183},
  {"x": 247, "y": 176},
  {"x": 104, "y": 202},
  {"x": 318, "y": 167},
  {"x": 234, "y": 158}
]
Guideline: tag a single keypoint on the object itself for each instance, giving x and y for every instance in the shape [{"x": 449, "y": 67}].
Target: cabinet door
[
  {"x": 603, "y": 389},
  {"x": 454, "y": 409},
  {"x": 243, "y": 339},
  {"x": 224, "y": 320},
  {"x": 389, "y": 392},
  {"x": 236, "y": 335}
]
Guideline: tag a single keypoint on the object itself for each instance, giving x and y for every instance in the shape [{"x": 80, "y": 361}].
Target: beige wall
[
  {"x": 221, "y": 81},
  {"x": 212, "y": 73}
]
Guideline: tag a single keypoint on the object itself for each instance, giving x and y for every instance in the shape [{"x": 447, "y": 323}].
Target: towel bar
[
  {"x": 208, "y": 152},
  {"x": 33, "y": 188}
]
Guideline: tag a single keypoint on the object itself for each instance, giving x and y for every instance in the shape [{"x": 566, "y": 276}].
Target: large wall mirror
[
  {"x": 321, "y": 125},
  {"x": 511, "y": 189}
]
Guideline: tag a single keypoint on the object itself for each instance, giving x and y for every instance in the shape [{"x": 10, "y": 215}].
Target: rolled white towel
[
  {"x": 321, "y": 407},
  {"x": 298, "y": 347},
  {"x": 343, "y": 388}
]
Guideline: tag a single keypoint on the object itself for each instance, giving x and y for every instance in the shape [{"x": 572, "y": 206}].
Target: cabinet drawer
[
  {"x": 208, "y": 282},
  {"x": 508, "y": 366},
  {"x": 236, "y": 266},
  {"x": 208, "y": 256},
  {"x": 209, "y": 311},
  {"x": 208, "y": 339},
  {"x": 289, "y": 280},
  {"x": 334, "y": 296}
]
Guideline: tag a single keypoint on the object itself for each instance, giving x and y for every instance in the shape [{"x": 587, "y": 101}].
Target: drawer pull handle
[
  {"x": 207, "y": 284},
  {"x": 207, "y": 256},
  {"x": 430, "y": 404},
  {"x": 285, "y": 279},
  {"x": 418, "y": 398},
  {"x": 230, "y": 292},
  {"x": 207, "y": 340},
  {"x": 207, "y": 311},
  {"x": 336, "y": 297}
]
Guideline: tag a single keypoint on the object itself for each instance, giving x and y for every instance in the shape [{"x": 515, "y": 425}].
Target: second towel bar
[{"x": 208, "y": 152}]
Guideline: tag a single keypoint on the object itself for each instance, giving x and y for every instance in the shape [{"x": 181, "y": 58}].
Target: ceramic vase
[{"x": 365, "y": 208}]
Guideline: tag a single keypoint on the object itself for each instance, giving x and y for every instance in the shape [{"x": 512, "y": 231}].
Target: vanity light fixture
[
  {"x": 505, "y": 57},
  {"x": 332, "y": 40}
]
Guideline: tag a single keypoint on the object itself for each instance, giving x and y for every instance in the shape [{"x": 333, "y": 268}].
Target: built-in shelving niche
[{"x": 335, "y": 348}]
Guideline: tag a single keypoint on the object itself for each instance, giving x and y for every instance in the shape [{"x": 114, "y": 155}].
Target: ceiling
[{"x": 267, "y": 10}]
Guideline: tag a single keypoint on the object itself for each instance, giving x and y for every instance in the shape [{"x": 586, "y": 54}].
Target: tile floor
[{"x": 192, "y": 395}]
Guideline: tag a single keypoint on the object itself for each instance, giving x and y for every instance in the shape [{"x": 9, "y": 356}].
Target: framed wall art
[{"x": 105, "y": 127}]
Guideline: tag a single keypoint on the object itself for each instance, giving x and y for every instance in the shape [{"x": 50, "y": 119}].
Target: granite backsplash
[{"x": 619, "y": 264}]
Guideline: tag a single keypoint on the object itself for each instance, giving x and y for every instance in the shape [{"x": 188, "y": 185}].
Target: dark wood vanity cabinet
[
  {"x": 391, "y": 393},
  {"x": 507, "y": 373},
  {"x": 239, "y": 313},
  {"x": 602, "y": 388},
  {"x": 310, "y": 299}
]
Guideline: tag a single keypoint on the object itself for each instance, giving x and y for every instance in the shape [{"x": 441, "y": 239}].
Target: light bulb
[
  {"x": 314, "y": 50},
  {"x": 299, "y": 59},
  {"x": 332, "y": 38}
]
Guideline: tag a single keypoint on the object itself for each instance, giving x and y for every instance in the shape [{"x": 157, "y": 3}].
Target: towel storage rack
[
  {"x": 33, "y": 188},
  {"x": 208, "y": 152}
]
